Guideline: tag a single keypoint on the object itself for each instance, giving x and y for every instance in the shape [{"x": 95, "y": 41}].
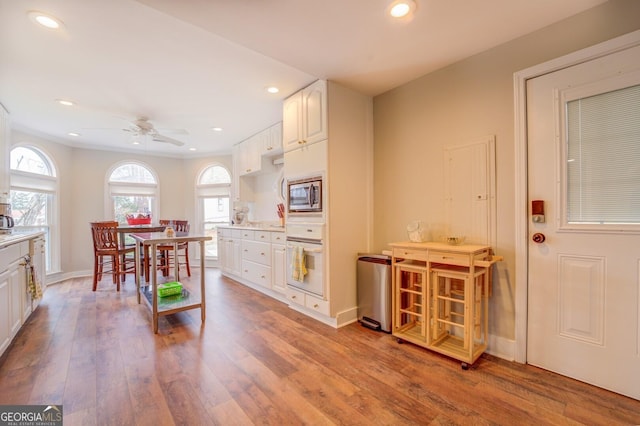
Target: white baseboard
[{"x": 501, "y": 347}]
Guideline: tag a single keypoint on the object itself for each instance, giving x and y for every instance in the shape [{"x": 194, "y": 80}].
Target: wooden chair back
[
  {"x": 178, "y": 225},
  {"x": 105, "y": 236}
]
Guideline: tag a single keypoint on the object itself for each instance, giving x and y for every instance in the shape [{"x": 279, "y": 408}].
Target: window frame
[
  {"x": 49, "y": 185},
  {"x": 131, "y": 189},
  {"x": 563, "y": 97},
  {"x": 204, "y": 191}
]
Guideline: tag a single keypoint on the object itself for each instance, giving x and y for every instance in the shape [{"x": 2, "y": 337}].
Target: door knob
[{"x": 538, "y": 238}]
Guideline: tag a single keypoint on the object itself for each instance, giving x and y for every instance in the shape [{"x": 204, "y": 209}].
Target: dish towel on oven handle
[{"x": 298, "y": 267}]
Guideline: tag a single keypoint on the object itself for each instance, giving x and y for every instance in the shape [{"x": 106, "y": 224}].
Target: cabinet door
[
  {"x": 273, "y": 140},
  {"x": 279, "y": 268},
  {"x": 315, "y": 112},
  {"x": 16, "y": 286},
  {"x": 292, "y": 122},
  {"x": 236, "y": 254},
  {"x": 222, "y": 253},
  {"x": 5, "y": 312}
]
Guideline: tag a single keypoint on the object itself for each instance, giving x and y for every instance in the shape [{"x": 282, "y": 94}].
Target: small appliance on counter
[
  {"x": 240, "y": 213},
  {"x": 6, "y": 220}
]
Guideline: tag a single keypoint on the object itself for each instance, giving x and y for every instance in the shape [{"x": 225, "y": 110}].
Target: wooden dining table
[{"x": 124, "y": 230}]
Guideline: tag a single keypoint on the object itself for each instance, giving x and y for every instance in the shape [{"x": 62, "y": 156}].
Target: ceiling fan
[{"x": 143, "y": 127}]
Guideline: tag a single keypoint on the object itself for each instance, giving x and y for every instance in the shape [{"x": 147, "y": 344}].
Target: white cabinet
[
  {"x": 308, "y": 301},
  {"x": 336, "y": 123},
  {"x": 260, "y": 258},
  {"x": 5, "y": 311},
  {"x": 16, "y": 287},
  {"x": 13, "y": 285},
  {"x": 229, "y": 250},
  {"x": 272, "y": 140},
  {"x": 4, "y": 152},
  {"x": 249, "y": 156},
  {"x": 278, "y": 268},
  {"x": 304, "y": 119}
]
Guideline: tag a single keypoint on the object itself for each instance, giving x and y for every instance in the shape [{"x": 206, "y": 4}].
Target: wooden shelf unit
[{"x": 441, "y": 297}]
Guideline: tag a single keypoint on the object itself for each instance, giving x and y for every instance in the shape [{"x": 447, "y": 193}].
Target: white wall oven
[
  {"x": 306, "y": 239},
  {"x": 304, "y": 195}
]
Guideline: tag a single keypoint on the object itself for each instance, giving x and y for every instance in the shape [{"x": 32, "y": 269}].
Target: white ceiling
[{"x": 191, "y": 65}]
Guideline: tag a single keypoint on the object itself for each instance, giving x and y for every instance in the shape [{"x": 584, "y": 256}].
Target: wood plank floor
[{"x": 255, "y": 361}]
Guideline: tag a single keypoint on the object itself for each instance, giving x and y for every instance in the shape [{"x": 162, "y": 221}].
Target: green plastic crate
[{"x": 169, "y": 289}]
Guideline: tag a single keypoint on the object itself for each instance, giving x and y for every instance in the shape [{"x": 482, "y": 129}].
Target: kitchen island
[{"x": 149, "y": 242}]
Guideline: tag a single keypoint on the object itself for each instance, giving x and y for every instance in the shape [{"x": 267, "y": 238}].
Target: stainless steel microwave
[{"x": 305, "y": 195}]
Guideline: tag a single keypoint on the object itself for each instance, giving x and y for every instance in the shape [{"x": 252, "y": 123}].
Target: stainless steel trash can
[{"x": 374, "y": 291}]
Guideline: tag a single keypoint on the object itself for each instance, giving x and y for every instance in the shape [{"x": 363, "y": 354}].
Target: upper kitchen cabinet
[
  {"x": 4, "y": 153},
  {"x": 304, "y": 119},
  {"x": 272, "y": 140},
  {"x": 247, "y": 156}
]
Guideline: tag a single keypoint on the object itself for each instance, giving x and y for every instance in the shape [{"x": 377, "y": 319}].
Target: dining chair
[
  {"x": 109, "y": 257},
  {"x": 167, "y": 251}
]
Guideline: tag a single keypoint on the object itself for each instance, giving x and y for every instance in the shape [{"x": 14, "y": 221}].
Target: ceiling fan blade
[{"x": 161, "y": 138}]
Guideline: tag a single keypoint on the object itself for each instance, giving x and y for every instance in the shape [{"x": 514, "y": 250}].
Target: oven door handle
[{"x": 307, "y": 250}]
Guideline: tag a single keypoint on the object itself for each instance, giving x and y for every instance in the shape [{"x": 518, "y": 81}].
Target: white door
[{"x": 584, "y": 278}]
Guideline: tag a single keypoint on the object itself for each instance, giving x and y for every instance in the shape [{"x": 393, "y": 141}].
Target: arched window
[
  {"x": 34, "y": 197},
  {"x": 213, "y": 189},
  {"x": 132, "y": 190}
]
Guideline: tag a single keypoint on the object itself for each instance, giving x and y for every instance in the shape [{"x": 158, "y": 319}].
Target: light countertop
[
  {"x": 18, "y": 237},
  {"x": 256, "y": 227}
]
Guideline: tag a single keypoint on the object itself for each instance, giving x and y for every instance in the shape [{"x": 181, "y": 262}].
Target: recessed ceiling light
[
  {"x": 136, "y": 142},
  {"x": 402, "y": 8},
  {"x": 192, "y": 149},
  {"x": 272, "y": 89},
  {"x": 216, "y": 129},
  {"x": 65, "y": 102},
  {"x": 45, "y": 19},
  {"x": 73, "y": 134}
]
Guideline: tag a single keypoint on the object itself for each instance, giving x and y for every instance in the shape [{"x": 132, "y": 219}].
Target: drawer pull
[{"x": 315, "y": 306}]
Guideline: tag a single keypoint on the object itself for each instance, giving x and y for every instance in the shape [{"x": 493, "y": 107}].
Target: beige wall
[
  {"x": 461, "y": 104},
  {"x": 82, "y": 175}
]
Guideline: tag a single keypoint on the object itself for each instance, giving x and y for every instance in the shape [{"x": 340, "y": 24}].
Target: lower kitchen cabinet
[
  {"x": 300, "y": 298},
  {"x": 279, "y": 267},
  {"x": 16, "y": 303},
  {"x": 254, "y": 257}
]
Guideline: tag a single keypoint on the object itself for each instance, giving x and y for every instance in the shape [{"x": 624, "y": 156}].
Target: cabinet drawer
[
  {"x": 224, "y": 232},
  {"x": 448, "y": 258},
  {"x": 256, "y": 273},
  {"x": 248, "y": 234},
  {"x": 410, "y": 254},
  {"x": 8, "y": 255},
  {"x": 318, "y": 305},
  {"x": 278, "y": 237},
  {"x": 295, "y": 296},
  {"x": 264, "y": 236},
  {"x": 236, "y": 233},
  {"x": 256, "y": 251}
]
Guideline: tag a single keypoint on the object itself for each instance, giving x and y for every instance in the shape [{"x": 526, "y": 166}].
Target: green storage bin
[{"x": 169, "y": 289}]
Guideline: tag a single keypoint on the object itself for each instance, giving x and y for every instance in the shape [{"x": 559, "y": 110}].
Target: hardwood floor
[{"x": 255, "y": 361}]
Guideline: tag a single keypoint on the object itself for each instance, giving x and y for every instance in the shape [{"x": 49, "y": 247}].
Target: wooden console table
[
  {"x": 440, "y": 297},
  {"x": 149, "y": 241}
]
